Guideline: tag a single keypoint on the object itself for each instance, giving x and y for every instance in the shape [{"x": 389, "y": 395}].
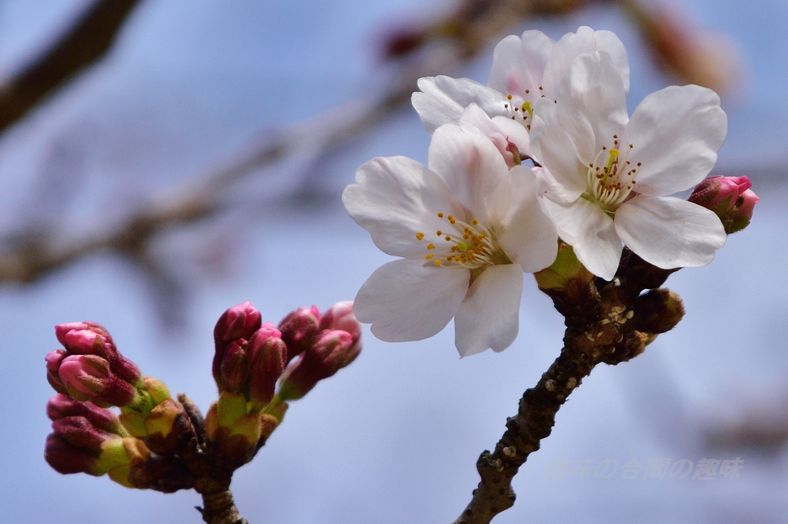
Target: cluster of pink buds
[
  {"x": 91, "y": 375},
  {"x": 163, "y": 443},
  {"x": 253, "y": 356}
]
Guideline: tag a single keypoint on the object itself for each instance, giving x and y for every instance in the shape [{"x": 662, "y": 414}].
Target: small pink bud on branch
[
  {"x": 267, "y": 360},
  {"x": 333, "y": 350},
  {"x": 729, "y": 197},
  {"x": 299, "y": 329},
  {"x": 88, "y": 377},
  {"x": 89, "y": 338}
]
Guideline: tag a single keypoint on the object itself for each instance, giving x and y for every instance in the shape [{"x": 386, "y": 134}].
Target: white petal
[
  {"x": 393, "y": 199},
  {"x": 406, "y": 300},
  {"x": 669, "y": 232},
  {"x": 489, "y": 315},
  {"x": 443, "y": 98},
  {"x": 591, "y": 233},
  {"x": 554, "y": 149},
  {"x": 676, "y": 132},
  {"x": 473, "y": 169},
  {"x": 592, "y": 97},
  {"x": 519, "y": 63},
  {"x": 501, "y": 130},
  {"x": 529, "y": 236},
  {"x": 584, "y": 41}
]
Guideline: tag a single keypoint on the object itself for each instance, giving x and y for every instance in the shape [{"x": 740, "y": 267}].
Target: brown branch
[
  {"x": 85, "y": 42},
  {"x": 605, "y": 323}
]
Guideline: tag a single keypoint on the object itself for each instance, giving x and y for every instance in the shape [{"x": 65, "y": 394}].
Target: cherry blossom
[
  {"x": 466, "y": 228},
  {"x": 611, "y": 175}
]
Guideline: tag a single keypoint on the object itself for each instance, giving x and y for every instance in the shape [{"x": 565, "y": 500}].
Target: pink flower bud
[
  {"x": 234, "y": 369},
  {"x": 299, "y": 329},
  {"x": 62, "y": 330},
  {"x": 267, "y": 360},
  {"x": 79, "y": 432},
  {"x": 237, "y": 323},
  {"x": 66, "y": 458},
  {"x": 88, "y": 377},
  {"x": 729, "y": 197},
  {"x": 340, "y": 316},
  {"x": 333, "y": 350},
  {"x": 53, "y": 360},
  {"x": 62, "y": 406},
  {"x": 89, "y": 338}
]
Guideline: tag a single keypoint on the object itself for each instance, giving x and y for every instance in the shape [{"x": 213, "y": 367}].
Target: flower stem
[
  {"x": 219, "y": 507},
  {"x": 532, "y": 423}
]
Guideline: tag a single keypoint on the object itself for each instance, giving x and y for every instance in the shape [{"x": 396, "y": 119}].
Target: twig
[
  {"x": 86, "y": 41},
  {"x": 605, "y": 323}
]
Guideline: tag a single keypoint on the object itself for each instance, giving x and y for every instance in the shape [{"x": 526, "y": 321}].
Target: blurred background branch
[
  {"x": 88, "y": 39},
  {"x": 436, "y": 46}
]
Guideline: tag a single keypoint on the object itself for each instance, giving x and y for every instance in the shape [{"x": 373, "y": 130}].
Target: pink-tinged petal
[
  {"x": 593, "y": 97},
  {"x": 554, "y": 149},
  {"x": 507, "y": 135},
  {"x": 489, "y": 315},
  {"x": 473, "y": 169},
  {"x": 676, "y": 133},
  {"x": 406, "y": 300},
  {"x": 395, "y": 198},
  {"x": 591, "y": 233},
  {"x": 443, "y": 98},
  {"x": 584, "y": 41},
  {"x": 669, "y": 232},
  {"x": 519, "y": 62},
  {"x": 529, "y": 236}
]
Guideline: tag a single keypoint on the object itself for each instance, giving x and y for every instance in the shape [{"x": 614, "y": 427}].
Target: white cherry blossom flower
[
  {"x": 612, "y": 174},
  {"x": 466, "y": 228},
  {"x": 525, "y": 69}
]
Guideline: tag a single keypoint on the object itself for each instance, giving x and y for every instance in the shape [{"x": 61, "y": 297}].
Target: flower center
[
  {"x": 468, "y": 245},
  {"x": 520, "y": 107},
  {"x": 610, "y": 177}
]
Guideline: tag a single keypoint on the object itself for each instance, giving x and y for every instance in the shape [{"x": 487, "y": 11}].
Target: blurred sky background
[{"x": 394, "y": 437}]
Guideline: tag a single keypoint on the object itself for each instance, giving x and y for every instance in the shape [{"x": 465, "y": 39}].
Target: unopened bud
[
  {"x": 88, "y": 377},
  {"x": 333, "y": 350},
  {"x": 238, "y": 322},
  {"x": 658, "y": 311},
  {"x": 66, "y": 458},
  {"x": 61, "y": 406},
  {"x": 299, "y": 329},
  {"x": 267, "y": 360},
  {"x": 53, "y": 360},
  {"x": 729, "y": 197},
  {"x": 89, "y": 338},
  {"x": 233, "y": 372},
  {"x": 340, "y": 316}
]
